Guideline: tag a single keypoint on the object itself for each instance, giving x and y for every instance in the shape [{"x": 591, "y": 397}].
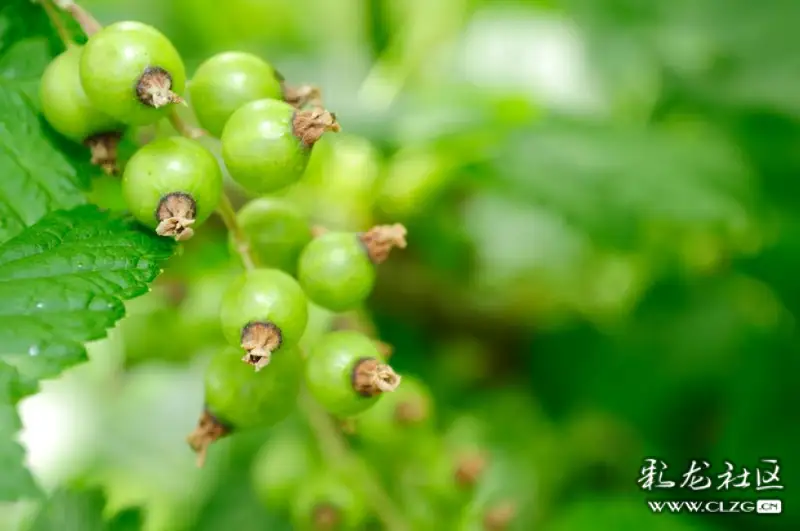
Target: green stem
[
  {"x": 185, "y": 129},
  {"x": 335, "y": 449},
  {"x": 228, "y": 214},
  {"x": 85, "y": 20},
  {"x": 57, "y": 23}
]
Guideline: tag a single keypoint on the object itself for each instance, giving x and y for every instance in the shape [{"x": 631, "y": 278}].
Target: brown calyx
[
  {"x": 318, "y": 230},
  {"x": 260, "y": 340},
  {"x": 499, "y": 517},
  {"x": 208, "y": 430},
  {"x": 103, "y": 147},
  {"x": 371, "y": 378},
  {"x": 384, "y": 348},
  {"x": 309, "y": 126},
  {"x": 326, "y": 517},
  {"x": 410, "y": 412},
  {"x": 175, "y": 214},
  {"x": 469, "y": 469},
  {"x": 154, "y": 88},
  {"x": 302, "y": 96},
  {"x": 381, "y": 239}
]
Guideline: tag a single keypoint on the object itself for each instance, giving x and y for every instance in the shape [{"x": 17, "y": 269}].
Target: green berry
[
  {"x": 68, "y": 110},
  {"x": 173, "y": 185},
  {"x": 276, "y": 230},
  {"x": 132, "y": 72},
  {"x": 263, "y": 311},
  {"x": 281, "y": 467},
  {"x": 329, "y": 502},
  {"x": 228, "y": 80},
  {"x": 238, "y": 398},
  {"x": 397, "y": 417},
  {"x": 346, "y": 373},
  {"x": 65, "y": 105},
  {"x": 266, "y": 144},
  {"x": 337, "y": 269}
]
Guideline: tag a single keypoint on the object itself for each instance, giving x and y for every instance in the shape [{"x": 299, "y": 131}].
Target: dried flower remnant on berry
[
  {"x": 309, "y": 126},
  {"x": 302, "y": 96},
  {"x": 380, "y": 240},
  {"x": 326, "y": 517},
  {"x": 260, "y": 340},
  {"x": 103, "y": 148},
  {"x": 176, "y": 213},
  {"x": 410, "y": 412},
  {"x": 154, "y": 88},
  {"x": 469, "y": 468},
  {"x": 371, "y": 378},
  {"x": 500, "y": 516},
  {"x": 384, "y": 348},
  {"x": 208, "y": 431}
]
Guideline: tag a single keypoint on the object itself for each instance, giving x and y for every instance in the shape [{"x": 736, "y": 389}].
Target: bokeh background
[{"x": 602, "y": 201}]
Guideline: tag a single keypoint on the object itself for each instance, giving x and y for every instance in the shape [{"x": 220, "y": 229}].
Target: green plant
[
  {"x": 172, "y": 185},
  {"x": 337, "y": 269},
  {"x": 68, "y": 110},
  {"x": 132, "y": 72},
  {"x": 347, "y": 373},
  {"x": 274, "y": 127},
  {"x": 67, "y": 267},
  {"x": 277, "y": 230},
  {"x": 228, "y": 80}
]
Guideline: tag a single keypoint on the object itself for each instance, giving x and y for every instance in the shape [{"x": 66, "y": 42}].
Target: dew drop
[
  {"x": 39, "y": 305},
  {"x": 33, "y": 350}
]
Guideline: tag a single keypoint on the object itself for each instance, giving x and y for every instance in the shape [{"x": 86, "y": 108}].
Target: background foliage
[{"x": 601, "y": 198}]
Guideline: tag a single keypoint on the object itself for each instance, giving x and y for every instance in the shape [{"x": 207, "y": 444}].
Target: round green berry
[
  {"x": 397, "y": 417},
  {"x": 266, "y": 144},
  {"x": 238, "y": 398},
  {"x": 173, "y": 185},
  {"x": 228, "y": 80},
  {"x": 276, "y": 230},
  {"x": 241, "y": 398},
  {"x": 336, "y": 272},
  {"x": 346, "y": 373},
  {"x": 263, "y": 311},
  {"x": 281, "y": 467},
  {"x": 132, "y": 72},
  {"x": 65, "y": 105},
  {"x": 329, "y": 502}
]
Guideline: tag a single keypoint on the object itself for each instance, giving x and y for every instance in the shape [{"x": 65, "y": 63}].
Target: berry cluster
[{"x": 129, "y": 74}]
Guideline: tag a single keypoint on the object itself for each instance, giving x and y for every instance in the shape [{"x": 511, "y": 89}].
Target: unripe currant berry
[
  {"x": 237, "y": 398},
  {"x": 281, "y": 467},
  {"x": 173, "y": 185},
  {"x": 397, "y": 417},
  {"x": 347, "y": 374},
  {"x": 132, "y": 72},
  {"x": 276, "y": 230},
  {"x": 266, "y": 144},
  {"x": 262, "y": 311},
  {"x": 337, "y": 269},
  {"x": 68, "y": 110},
  {"x": 329, "y": 502},
  {"x": 228, "y": 80}
]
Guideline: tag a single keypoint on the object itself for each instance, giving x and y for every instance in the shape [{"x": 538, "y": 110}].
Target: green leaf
[
  {"x": 63, "y": 283},
  {"x": 82, "y": 510},
  {"x": 38, "y": 173},
  {"x": 15, "y": 480}
]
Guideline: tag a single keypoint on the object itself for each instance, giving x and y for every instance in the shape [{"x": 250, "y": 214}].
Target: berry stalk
[
  {"x": 228, "y": 215},
  {"x": 57, "y": 23},
  {"x": 85, "y": 20},
  {"x": 335, "y": 449}
]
